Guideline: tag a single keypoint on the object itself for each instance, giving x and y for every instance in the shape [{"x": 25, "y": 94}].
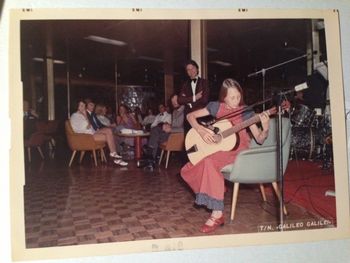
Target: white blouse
[
  {"x": 149, "y": 119},
  {"x": 104, "y": 120},
  {"x": 80, "y": 124}
]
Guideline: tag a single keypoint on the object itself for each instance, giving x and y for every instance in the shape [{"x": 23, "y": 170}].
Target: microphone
[
  {"x": 301, "y": 87},
  {"x": 297, "y": 88}
]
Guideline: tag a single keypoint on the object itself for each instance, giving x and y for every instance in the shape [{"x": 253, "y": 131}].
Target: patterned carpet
[{"x": 85, "y": 204}]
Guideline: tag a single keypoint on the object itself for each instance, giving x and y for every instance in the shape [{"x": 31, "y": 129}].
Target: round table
[{"x": 137, "y": 141}]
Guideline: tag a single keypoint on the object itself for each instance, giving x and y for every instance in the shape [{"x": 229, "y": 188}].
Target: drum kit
[{"x": 311, "y": 134}]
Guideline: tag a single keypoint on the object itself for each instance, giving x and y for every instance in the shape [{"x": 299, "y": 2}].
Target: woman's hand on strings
[
  {"x": 206, "y": 134},
  {"x": 264, "y": 118}
]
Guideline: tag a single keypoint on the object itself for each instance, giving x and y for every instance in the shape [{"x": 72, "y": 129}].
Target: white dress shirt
[
  {"x": 164, "y": 117},
  {"x": 149, "y": 119},
  {"x": 193, "y": 86}
]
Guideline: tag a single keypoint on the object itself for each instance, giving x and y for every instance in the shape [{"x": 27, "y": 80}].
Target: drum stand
[{"x": 325, "y": 154}]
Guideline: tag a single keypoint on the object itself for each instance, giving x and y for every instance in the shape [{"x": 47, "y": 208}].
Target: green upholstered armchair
[{"x": 258, "y": 164}]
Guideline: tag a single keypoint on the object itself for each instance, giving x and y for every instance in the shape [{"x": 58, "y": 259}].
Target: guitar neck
[{"x": 236, "y": 128}]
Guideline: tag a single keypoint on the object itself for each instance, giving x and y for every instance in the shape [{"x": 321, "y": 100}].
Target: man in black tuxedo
[
  {"x": 194, "y": 92},
  {"x": 95, "y": 122}
]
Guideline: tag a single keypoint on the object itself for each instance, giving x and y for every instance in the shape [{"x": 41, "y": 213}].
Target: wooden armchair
[
  {"x": 83, "y": 142},
  {"x": 35, "y": 140},
  {"x": 174, "y": 143},
  {"x": 49, "y": 128}
]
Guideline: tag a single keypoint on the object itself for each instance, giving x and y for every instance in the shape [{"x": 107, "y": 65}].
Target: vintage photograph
[{"x": 160, "y": 129}]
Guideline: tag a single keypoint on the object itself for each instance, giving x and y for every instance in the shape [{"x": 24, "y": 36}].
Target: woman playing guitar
[{"x": 205, "y": 177}]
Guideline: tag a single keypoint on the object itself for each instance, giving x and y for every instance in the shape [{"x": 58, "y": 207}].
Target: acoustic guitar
[{"x": 225, "y": 139}]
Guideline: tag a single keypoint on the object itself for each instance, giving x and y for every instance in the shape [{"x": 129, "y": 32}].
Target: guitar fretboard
[{"x": 243, "y": 125}]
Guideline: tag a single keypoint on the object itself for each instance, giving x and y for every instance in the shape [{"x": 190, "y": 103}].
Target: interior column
[
  {"x": 168, "y": 74},
  {"x": 50, "y": 81},
  {"x": 199, "y": 45}
]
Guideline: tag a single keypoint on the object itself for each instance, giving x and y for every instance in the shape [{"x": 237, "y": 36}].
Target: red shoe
[{"x": 217, "y": 222}]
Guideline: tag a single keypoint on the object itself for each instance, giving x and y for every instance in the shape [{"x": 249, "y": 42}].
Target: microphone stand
[
  {"x": 264, "y": 70},
  {"x": 278, "y": 101},
  {"x": 278, "y": 98}
]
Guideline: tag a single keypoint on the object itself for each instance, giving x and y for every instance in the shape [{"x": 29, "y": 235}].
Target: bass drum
[
  {"x": 302, "y": 116},
  {"x": 305, "y": 143}
]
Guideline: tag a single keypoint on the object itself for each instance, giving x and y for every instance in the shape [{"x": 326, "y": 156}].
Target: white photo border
[{"x": 17, "y": 178}]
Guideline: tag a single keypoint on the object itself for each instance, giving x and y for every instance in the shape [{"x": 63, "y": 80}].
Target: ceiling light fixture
[
  {"x": 38, "y": 59},
  {"x": 150, "y": 58},
  {"x": 210, "y": 49},
  {"x": 221, "y": 63},
  {"x": 106, "y": 40},
  {"x": 56, "y": 61}
]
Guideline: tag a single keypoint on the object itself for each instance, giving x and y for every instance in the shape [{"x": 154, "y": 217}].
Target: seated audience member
[
  {"x": 162, "y": 117},
  {"x": 90, "y": 109},
  {"x": 148, "y": 120},
  {"x": 30, "y": 118},
  {"x": 125, "y": 119},
  {"x": 81, "y": 124},
  {"x": 28, "y": 113},
  {"x": 110, "y": 114},
  {"x": 138, "y": 117},
  {"x": 101, "y": 113},
  {"x": 160, "y": 133}
]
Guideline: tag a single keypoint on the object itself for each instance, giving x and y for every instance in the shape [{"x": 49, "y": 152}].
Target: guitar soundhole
[{"x": 217, "y": 138}]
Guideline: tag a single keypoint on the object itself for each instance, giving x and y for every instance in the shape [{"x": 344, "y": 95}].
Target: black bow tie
[
  {"x": 194, "y": 81},
  {"x": 161, "y": 114}
]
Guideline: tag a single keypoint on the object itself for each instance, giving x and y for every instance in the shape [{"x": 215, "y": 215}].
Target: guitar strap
[
  {"x": 237, "y": 112},
  {"x": 233, "y": 113}
]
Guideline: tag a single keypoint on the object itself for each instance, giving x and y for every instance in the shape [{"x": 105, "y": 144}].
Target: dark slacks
[{"x": 157, "y": 137}]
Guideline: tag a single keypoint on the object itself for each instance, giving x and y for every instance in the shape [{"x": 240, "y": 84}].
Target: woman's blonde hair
[{"x": 99, "y": 109}]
